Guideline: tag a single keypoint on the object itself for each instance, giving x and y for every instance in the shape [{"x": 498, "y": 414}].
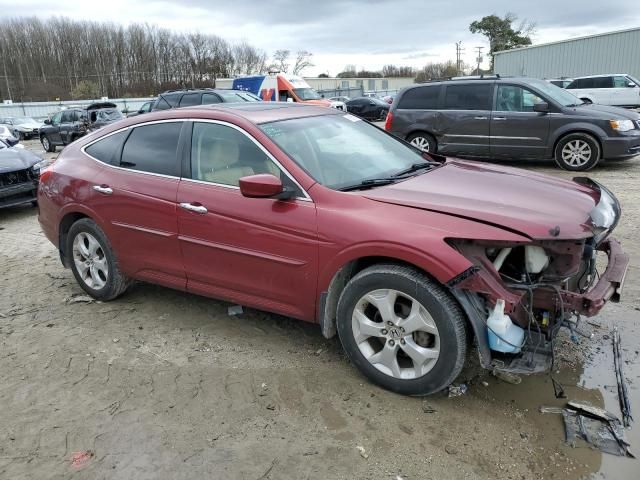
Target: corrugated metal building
[{"x": 613, "y": 52}]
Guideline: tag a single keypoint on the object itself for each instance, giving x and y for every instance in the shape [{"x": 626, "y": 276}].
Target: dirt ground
[{"x": 163, "y": 384}]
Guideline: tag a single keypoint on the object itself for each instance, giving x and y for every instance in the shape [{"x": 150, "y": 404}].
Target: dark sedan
[
  {"x": 368, "y": 108},
  {"x": 19, "y": 174}
]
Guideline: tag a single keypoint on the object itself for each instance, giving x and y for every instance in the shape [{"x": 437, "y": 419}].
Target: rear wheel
[
  {"x": 577, "y": 152},
  {"x": 93, "y": 262},
  {"x": 423, "y": 141},
  {"x": 47, "y": 145},
  {"x": 402, "y": 330}
]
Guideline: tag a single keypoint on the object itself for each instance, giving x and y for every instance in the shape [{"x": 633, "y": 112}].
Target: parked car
[
  {"x": 6, "y": 135},
  {"x": 620, "y": 90},
  {"x": 22, "y": 127},
  {"x": 201, "y": 96},
  {"x": 315, "y": 214},
  {"x": 19, "y": 174},
  {"x": 68, "y": 125},
  {"x": 368, "y": 108},
  {"x": 145, "y": 108},
  {"x": 512, "y": 118},
  {"x": 342, "y": 99}
]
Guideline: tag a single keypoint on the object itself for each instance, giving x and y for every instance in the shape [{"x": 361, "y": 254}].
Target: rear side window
[
  {"x": 210, "y": 98},
  {"x": 468, "y": 97},
  {"x": 190, "y": 99},
  {"x": 420, "y": 98},
  {"x": 108, "y": 149},
  {"x": 593, "y": 82},
  {"x": 153, "y": 148}
]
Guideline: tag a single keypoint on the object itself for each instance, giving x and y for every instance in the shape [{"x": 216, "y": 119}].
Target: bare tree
[
  {"x": 280, "y": 60},
  {"x": 303, "y": 60}
]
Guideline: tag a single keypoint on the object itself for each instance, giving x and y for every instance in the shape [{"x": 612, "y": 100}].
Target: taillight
[
  {"x": 45, "y": 173},
  {"x": 387, "y": 124}
]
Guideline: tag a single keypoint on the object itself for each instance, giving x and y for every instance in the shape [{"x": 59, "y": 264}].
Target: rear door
[
  {"x": 463, "y": 126},
  {"x": 137, "y": 197},
  {"x": 260, "y": 252},
  {"x": 516, "y": 130}
]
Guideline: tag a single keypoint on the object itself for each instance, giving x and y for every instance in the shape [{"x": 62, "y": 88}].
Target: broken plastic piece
[
  {"x": 457, "y": 390},
  {"x": 235, "y": 310}
]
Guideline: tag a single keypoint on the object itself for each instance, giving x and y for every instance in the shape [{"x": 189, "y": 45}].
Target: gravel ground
[{"x": 164, "y": 384}]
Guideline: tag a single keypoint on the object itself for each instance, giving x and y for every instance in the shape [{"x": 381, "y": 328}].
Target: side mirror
[
  {"x": 631, "y": 85},
  {"x": 47, "y": 122},
  {"x": 289, "y": 100},
  {"x": 541, "y": 107},
  {"x": 264, "y": 185}
]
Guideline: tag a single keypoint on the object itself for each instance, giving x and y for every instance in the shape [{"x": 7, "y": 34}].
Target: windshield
[
  {"x": 23, "y": 120},
  {"x": 555, "y": 93},
  {"x": 339, "y": 151},
  {"x": 238, "y": 96},
  {"x": 306, "y": 94},
  {"x": 108, "y": 115}
]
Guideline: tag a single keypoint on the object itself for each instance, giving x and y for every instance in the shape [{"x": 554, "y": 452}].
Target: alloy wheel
[
  {"x": 45, "y": 143},
  {"x": 396, "y": 334},
  {"x": 421, "y": 143},
  {"x": 90, "y": 260},
  {"x": 576, "y": 153}
]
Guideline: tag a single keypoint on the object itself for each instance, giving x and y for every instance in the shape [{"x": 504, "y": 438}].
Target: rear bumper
[{"x": 620, "y": 147}]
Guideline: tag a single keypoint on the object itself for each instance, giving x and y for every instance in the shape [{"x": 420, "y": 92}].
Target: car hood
[
  {"x": 605, "y": 112},
  {"x": 534, "y": 205},
  {"x": 13, "y": 159}
]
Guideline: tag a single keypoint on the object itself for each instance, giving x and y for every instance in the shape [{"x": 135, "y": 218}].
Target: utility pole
[
  {"x": 459, "y": 51},
  {"x": 479, "y": 58}
]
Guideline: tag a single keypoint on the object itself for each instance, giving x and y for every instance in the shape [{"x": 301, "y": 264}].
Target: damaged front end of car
[{"x": 519, "y": 295}]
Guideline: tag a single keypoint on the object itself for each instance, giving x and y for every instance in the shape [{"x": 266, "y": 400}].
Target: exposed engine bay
[{"x": 523, "y": 293}]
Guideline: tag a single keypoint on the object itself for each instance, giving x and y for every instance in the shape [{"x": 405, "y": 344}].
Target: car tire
[
  {"x": 417, "y": 357},
  {"x": 47, "y": 145},
  {"x": 423, "y": 141},
  {"x": 383, "y": 115},
  {"x": 93, "y": 261},
  {"x": 577, "y": 152}
]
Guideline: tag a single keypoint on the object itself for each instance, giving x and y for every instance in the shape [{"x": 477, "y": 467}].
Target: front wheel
[
  {"x": 577, "y": 152},
  {"x": 402, "y": 330},
  {"x": 93, "y": 262},
  {"x": 47, "y": 145}
]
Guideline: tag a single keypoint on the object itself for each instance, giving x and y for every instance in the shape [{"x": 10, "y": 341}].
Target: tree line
[{"x": 63, "y": 59}]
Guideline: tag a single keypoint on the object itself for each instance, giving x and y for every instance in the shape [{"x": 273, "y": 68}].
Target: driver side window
[
  {"x": 511, "y": 98},
  {"x": 223, "y": 155},
  {"x": 55, "y": 120}
]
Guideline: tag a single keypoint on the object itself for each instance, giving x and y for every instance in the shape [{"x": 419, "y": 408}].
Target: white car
[{"x": 619, "y": 89}]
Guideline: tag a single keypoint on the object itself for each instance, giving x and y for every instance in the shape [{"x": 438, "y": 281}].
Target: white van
[{"x": 620, "y": 89}]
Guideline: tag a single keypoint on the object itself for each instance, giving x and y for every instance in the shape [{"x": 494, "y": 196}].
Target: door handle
[
  {"x": 103, "y": 189},
  {"x": 480, "y": 118},
  {"x": 194, "y": 208},
  {"x": 499, "y": 118}
]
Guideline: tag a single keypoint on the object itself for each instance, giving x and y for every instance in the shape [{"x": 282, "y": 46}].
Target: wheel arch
[
  {"x": 70, "y": 215},
  {"x": 415, "y": 130}
]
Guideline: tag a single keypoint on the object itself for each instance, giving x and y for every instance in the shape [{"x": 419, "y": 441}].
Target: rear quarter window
[
  {"x": 420, "y": 98},
  {"x": 107, "y": 150}
]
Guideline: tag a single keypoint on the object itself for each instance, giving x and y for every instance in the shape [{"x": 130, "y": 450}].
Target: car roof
[
  {"x": 195, "y": 90},
  {"x": 603, "y": 75}
]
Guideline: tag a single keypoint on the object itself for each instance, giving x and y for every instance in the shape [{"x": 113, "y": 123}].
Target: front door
[
  {"x": 622, "y": 94},
  {"x": 136, "y": 192},
  {"x": 53, "y": 131},
  {"x": 257, "y": 252},
  {"x": 463, "y": 126},
  {"x": 516, "y": 130}
]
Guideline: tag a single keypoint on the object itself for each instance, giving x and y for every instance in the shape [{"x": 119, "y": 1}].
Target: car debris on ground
[{"x": 623, "y": 393}]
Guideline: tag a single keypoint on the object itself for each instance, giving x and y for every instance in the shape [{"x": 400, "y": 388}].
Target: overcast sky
[{"x": 367, "y": 33}]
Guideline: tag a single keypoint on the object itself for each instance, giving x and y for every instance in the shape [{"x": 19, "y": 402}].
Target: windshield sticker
[
  {"x": 272, "y": 130},
  {"x": 352, "y": 118}
]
